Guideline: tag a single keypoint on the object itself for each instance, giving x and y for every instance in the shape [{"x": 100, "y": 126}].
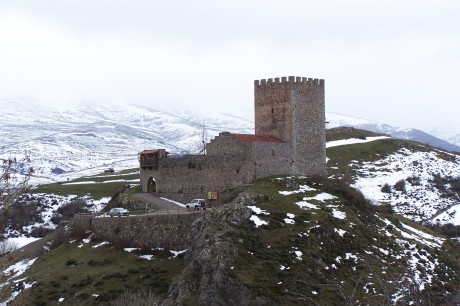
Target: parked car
[
  {"x": 196, "y": 204},
  {"x": 118, "y": 211}
]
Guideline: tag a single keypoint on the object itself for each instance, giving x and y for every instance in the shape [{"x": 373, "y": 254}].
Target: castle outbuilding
[{"x": 289, "y": 139}]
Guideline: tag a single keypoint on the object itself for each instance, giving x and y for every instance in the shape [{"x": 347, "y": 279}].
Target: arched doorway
[{"x": 151, "y": 185}]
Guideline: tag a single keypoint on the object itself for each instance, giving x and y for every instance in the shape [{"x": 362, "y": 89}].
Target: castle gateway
[{"x": 290, "y": 139}]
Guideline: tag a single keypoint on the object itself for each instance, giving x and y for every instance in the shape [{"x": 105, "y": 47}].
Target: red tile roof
[
  {"x": 148, "y": 152},
  {"x": 256, "y": 138}
]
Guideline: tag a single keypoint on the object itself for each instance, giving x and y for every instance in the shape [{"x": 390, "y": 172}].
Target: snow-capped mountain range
[
  {"x": 75, "y": 140},
  {"x": 72, "y": 141}
]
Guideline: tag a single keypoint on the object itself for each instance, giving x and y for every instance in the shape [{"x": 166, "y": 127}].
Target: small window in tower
[
  {"x": 273, "y": 152},
  {"x": 273, "y": 111}
]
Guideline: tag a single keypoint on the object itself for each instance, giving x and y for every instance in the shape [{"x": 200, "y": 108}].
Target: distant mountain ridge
[{"x": 336, "y": 120}]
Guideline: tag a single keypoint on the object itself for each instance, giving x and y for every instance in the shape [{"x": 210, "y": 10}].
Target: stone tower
[{"x": 293, "y": 110}]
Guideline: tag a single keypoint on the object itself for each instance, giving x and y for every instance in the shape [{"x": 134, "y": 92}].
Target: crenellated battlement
[{"x": 290, "y": 79}]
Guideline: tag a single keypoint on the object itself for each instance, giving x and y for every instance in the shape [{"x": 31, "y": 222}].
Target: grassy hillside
[
  {"x": 321, "y": 243},
  {"x": 86, "y": 271},
  {"x": 309, "y": 241}
]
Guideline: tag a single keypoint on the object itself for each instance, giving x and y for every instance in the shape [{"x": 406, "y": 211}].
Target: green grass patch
[
  {"x": 98, "y": 186},
  {"x": 79, "y": 274},
  {"x": 349, "y": 132}
]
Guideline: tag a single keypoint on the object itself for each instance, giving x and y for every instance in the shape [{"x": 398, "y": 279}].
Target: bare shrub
[
  {"x": 14, "y": 177},
  {"x": 77, "y": 206},
  {"x": 78, "y": 231},
  {"x": 119, "y": 242},
  {"x": 22, "y": 299},
  {"x": 384, "y": 208},
  {"x": 142, "y": 297},
  {"x": 400, "y": 185},
  {"x": 448, "y": 229},
  {"x": 19, "y": 215},
  {"x": 40, "y": 232},
  {"x": 60, "y": 237},
  {"x": 7, "y": 246},
  {"x": 413, "y": 180},
  {"x": 386, "y": 188}
]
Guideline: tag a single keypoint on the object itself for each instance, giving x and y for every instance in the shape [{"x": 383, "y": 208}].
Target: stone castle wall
[
  {"x": 289, "y": 110},
  {"x": 155, "y": 231},
  {"x": 192, "y": 176}
]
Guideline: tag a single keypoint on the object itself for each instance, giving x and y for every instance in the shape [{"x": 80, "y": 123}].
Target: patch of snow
[
  {"x": 339, "y": 231},
  {"x": 302, "y": 188},
  {"x": 385, "y": 252},
  {"x": 22, "y": 241},
  {"x": 298, "y": 255},
  {"x": 147, "y": 257},
  {"x": 321, "y": 197},
  {"x": 257, "y": 221},
  {"x": 103, "y": 182},
  {"x": 258, "y": 211},
  {"x": 342, "y": 142},
  {"x": 129, "y": 250},
  {"x": 100, "y": 244},
  {"x": 339, "y": 214},
  {"x": 174, "y": 202},
  {"x": 306, "y": 205},
  {"x": 19, "y": 268},
  {"x": 177, "y": 253}
]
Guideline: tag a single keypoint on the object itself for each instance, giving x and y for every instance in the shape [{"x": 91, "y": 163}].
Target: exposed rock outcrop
[{"x": 207, "y": 278}]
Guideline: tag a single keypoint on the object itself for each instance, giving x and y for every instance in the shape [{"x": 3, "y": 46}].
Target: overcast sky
[{"x": 392, "y": 61}]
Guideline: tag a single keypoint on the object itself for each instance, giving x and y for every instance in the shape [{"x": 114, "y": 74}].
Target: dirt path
[{"x": 161, "y": 204}]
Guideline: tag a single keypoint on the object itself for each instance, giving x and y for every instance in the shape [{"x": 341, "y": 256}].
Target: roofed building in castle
[{"x": 289, "y": 139}]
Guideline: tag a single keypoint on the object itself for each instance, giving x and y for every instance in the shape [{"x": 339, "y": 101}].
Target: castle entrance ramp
[{"x": 160, "y": 204}]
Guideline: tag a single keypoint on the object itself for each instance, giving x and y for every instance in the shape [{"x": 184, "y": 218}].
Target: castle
[{"x": 289, "y": 139}]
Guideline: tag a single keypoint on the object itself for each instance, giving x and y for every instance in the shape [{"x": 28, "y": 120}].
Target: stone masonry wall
[
  {"x": 193, "y": 176},
  {"x": 271, "y": 158},
  {"x": 309, "y": 128},
  {"x": 292, "y": 109},
  {"x": 154, "y": 231},
  {"x": 272, "y": 102}
]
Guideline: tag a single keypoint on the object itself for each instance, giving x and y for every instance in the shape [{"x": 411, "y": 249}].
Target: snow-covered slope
[
  {"x": 77, "y": 140},
  {"x": 419, "y": 183}
]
